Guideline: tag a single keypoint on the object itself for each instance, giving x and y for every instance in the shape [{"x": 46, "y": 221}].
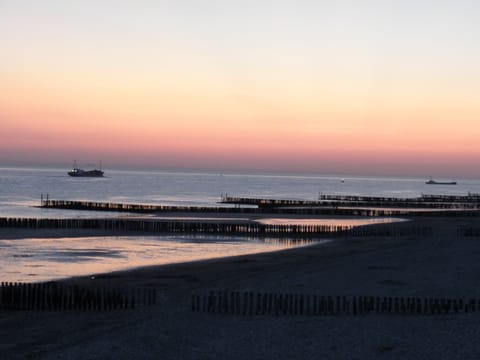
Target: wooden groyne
[
  {"x": 279, "y": 207},
  {"x": 137, "y": 208},
  {"x": 470, "y": 198},
  {"x": 468, "y": 231},
  {"x": 217, "y": 228},
  {"x": 334, "y": 201},
  {"x": 264, "y": 202},
  {"x": 253, "y": 303},
  {"x": 52, "y": 296}
]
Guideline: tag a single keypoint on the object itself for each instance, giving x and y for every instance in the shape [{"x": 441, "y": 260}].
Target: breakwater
[
  {"x": 281, "y": 207},
  {"x": 137, "y": 208},
  {"x": 470, "y": 198},
  {"x": 256, "y": 303},
  {"x": 471, "y": 202},
  {"x": 54, "y": 296},
  {"x": 220, "y": 228}
]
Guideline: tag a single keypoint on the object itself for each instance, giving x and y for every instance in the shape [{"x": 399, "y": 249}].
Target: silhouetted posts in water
[
  {"x": 221, "y": 228},
  {"x": 45, "y": 200},
  {"x": 366, "y": 207},
  {"x": 470, "y": 201}
]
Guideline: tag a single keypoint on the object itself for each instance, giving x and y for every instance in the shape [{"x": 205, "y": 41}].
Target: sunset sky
[{"x": 332, "y": 87}]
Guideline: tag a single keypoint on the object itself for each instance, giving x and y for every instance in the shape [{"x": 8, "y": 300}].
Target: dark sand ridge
[{"x": 442, "y": 265}]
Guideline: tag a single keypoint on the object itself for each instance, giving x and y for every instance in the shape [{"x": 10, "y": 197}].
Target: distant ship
[
  {"x": 76, "y": 172},
  {"x": 433, "y": 182}
]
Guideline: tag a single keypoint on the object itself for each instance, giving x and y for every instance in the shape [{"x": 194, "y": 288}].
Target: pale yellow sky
[{"x": 283, "y": 86}]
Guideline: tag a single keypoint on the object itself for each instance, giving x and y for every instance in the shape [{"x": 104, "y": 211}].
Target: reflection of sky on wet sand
[
  {"x": 333, "y": 222},
  {"x": 29, "y": 260}
]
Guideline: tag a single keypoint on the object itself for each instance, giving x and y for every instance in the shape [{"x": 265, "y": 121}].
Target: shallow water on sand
[
  {"x": 31, "y": 260},
  {"x": 345, "y": 221}
]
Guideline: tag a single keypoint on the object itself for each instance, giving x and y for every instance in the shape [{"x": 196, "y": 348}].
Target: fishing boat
[
  {"x": 77, "y": 172},
  {"x": 433, "y": 182}
]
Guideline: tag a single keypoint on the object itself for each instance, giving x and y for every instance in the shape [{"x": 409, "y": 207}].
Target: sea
[{"x": 33, "y": 260}]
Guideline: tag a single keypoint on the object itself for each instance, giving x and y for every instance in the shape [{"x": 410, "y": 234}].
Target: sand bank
[{"x": 443, "y": 265}]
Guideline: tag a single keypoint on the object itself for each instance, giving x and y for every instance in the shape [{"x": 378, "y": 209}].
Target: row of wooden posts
[
  {"x": 332, "y": 208},
  {"x": 475, "y": 198},
  {"x": 468, "y": 231},
  {"x": 55, "y": 296},
  {"x": 469, "y": 198},
  {"x": 252, "y": 303},
  {"x": 360, "y": 201},
  {"x": 137, "y": 208},
  {"x": 222, "y": 228}
]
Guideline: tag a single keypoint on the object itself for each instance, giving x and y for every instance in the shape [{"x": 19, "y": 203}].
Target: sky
[{"x": 331, "y": 87}]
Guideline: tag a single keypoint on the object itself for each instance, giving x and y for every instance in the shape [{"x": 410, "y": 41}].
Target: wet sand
[{"x": 443, "y": 265}]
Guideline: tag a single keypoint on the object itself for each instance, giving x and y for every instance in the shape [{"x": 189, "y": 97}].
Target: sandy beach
[{"x": 441, "y": 265}]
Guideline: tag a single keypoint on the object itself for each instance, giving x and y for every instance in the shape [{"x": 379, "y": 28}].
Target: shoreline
[
  {"x": 441, "y": 265},
  {"x": 330, "y": 249},
  {"x": 284, "y": 242}
]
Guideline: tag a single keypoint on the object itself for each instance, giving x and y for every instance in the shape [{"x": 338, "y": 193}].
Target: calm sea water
[
  {"x": 45, "y": 259},
  {"x": 20, "y": 189}
]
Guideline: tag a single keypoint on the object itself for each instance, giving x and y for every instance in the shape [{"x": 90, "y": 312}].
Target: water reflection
[
  {"x": 326, "y": 221},
  {"x": 29, "y": 260}
]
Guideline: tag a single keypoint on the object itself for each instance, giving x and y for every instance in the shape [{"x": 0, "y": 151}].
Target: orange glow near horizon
[{"x": 141, "y": 98}]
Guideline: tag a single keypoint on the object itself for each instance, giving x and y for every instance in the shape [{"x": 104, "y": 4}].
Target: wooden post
[
  {"x": 251, "y": 304},
  {"x": 231, "y": 309}
]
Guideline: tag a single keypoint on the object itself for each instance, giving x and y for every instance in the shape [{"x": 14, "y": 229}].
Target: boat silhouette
[
  {"x": 77, "y": 172},
  {"x": 434, "y": 182}
]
